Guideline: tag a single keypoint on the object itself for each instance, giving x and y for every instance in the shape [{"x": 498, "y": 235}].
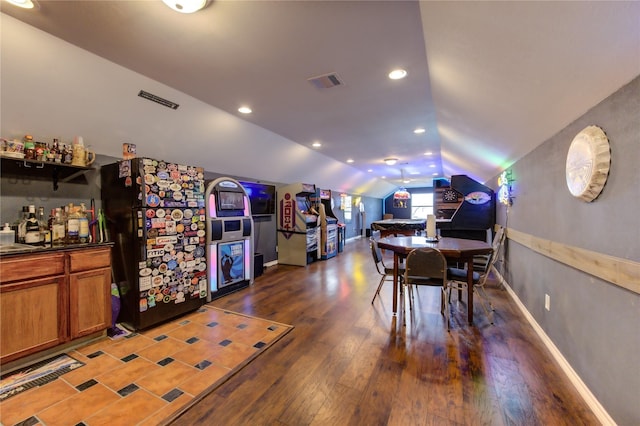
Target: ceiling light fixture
[
  {"x": 419, "y": 130},
  {"x": 350, "y": 160},
  {"x": 397, "y": 74},
  {"x": 316, "y": 144},
  {"x": 245, "y": 110},
  {"x": 25, "y": 4},
  {"x": 428, "y": 153},
  {"x": 186, "y": 6},
  {"x": 390, "y": 161}
]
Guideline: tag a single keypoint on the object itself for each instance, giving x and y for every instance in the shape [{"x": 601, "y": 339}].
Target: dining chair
[
  {"x": 428, "y": 267},
  {"x": 458, "y": 276},
  {"x": 385, "y": 272}
]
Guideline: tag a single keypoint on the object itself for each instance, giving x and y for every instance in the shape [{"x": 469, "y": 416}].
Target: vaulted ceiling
[{"x": 488, "y": 81}]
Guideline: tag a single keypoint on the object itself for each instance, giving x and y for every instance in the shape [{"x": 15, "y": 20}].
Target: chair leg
[
  {"x": 484, "y": 300},
  {"x": 444, "y": 306},
  {"x": 378, "y": 290}
]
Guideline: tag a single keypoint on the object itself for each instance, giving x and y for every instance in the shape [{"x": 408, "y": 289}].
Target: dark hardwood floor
[{"x": 348, "y": 362}]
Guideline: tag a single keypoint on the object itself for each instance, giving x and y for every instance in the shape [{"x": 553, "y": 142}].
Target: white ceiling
[{"x": 489, "y": 81}]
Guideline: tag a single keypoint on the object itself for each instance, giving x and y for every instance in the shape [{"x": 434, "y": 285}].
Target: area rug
[
  {"x": 36, "y": 375},
  {"x": 149, "y": 377}
]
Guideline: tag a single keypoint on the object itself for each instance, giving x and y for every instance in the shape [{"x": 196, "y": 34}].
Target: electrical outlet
[{"x": 547, "y": 302}]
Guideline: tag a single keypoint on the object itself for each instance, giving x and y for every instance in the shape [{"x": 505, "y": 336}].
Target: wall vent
[
  {"x": 326, "y": 81},
  {"x": 158, "y": 99}
]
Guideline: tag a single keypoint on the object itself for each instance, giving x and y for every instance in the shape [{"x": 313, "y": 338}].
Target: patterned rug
[{"x": 36, "y": 375}]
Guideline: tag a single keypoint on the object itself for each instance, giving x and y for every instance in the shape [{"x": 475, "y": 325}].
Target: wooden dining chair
[
  {"x": 385, "y": 272},
  {"x": 428, "y": 267},
  {"x": 458, "y": 276}
]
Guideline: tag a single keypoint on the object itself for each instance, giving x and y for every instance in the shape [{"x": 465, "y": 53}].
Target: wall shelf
[{"x": 19, "y": 167}]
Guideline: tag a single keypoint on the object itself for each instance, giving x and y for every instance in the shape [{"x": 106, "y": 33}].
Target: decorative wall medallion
[{"x": 588, "y": 163}]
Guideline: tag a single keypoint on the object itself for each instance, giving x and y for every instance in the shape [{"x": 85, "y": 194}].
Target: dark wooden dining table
[{"x": 454, "y": 249}]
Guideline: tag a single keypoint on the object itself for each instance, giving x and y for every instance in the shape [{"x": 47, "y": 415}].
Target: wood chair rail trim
[{"x": 621, "y": 272}]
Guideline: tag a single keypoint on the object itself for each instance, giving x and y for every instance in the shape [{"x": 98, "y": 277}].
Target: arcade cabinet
[
  {"x": 298, "y": 230},
  {"x": 328, "y": 224},
  {"x": 229, "y": 237}
]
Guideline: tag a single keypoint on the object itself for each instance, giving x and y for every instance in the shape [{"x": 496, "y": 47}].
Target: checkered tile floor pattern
[{"x": 144, "y": 378}]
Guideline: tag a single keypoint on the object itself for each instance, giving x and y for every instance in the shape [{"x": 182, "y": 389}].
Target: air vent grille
[
  {"x": 158, "y": 99},
  {"x": 326, "y": 81}
]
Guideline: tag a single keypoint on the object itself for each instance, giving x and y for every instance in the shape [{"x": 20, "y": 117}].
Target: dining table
[{"x": 458, "y": 250}]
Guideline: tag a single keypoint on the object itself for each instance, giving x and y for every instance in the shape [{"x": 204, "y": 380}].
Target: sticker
[
  {"x": 144, "y": 283},
  {"x": 194, "y": 226},
  {"x": 143, "y": 305},
  {"x": 176, "y": 215},
  {"x": 168, "y": 248},
  {"x": 149, "y": 179},
  {"x": 151, "y": 213},
  {"x": 166, "y": 299},
  {"x": 158, "y": 222},
  {"x": 153, "y": 200},
  {"x": 163, "y": 175},
  {"x": 177, "y": 196},
  {"x": 188, "y": 214},
  {"x": 161, "y": 213},
  {"x": 151, "y": 301},
  {"x": 200, "y": 233},
  {"x": 180, "y": 297},
  {"x": 180, "y": 228},
  {"x": 155, "y": 253},
  {"x": 162, "y": 268},
  {"x": 169, "y": 239},
  {"x": 157, "y": 281},
  {"x": 145, "y": 272},
  {"x": 175, "y": 175},
  {"x": 172, "y": 264},
  {"x": 199, "y": 252}
]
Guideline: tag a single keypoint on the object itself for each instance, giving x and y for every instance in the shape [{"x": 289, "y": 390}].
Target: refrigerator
[{"x": 155, "y": 214}]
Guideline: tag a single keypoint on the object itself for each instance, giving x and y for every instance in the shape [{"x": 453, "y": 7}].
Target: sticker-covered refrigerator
[{"x": 155, "y": 212}]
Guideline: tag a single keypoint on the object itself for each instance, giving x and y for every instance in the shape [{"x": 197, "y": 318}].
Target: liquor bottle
[
  {"x": 54, "y": 152},
  {"x": 57, "y": 229},
  {"x": 73, "y": 225},
  {"x": 22, "y": 224},
  {"x": 32, "y": 229},
  {"x": 83, "y": 228},
  {"x": 45, "y": 234}
]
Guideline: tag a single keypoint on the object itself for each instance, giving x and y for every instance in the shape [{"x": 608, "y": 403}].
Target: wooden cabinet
[
  {"x": 89, "y": 292},
  {"x": 48, "y": 299}
]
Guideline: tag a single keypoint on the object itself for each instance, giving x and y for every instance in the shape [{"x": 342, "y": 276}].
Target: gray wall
[{"x": 594, "y": 323}]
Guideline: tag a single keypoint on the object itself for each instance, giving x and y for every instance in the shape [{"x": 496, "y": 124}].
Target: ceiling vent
[
  {"x": 326, "y": 81},
  {"x": 158, "y": 99}
]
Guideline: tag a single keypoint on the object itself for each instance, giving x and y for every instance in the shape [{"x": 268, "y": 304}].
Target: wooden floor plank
[{"x": 348, "y": 362}]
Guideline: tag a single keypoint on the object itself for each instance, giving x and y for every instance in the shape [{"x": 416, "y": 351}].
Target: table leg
[
  {"x": 395, "y": 283},
  {"x": 470, "y": 290}
]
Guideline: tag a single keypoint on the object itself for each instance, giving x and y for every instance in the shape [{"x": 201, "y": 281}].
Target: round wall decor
[{"x": 588, "y": 162}]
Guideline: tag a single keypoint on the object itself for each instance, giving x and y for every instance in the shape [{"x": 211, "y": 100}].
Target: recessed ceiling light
[
  {"x": 383, "y": 177},
  {"x": 428, "y": 153},
  {"x": 435, "y": 174},
  {"x": 350, "y": 160},
  {"x": 245, "y": 110},
  {"x": 370, "y": 170},
  {"x": 25, "y": 4},
  {"x": 397, "y": 74},
  {"x": 432, "y": 165},
  {"x": 390, "y": 161},
  {"x": 419, "y": 130},
  {"x": 316, "y": 144},
  {"x": 186, "y": 6}
]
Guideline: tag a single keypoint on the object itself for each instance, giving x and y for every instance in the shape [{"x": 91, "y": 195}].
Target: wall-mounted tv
[{"x": 262, "y": 198}]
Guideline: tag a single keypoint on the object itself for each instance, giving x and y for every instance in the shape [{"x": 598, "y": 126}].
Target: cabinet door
[
  {"x": 33, "y": 316},
  {"x": 89, "y": 301}
]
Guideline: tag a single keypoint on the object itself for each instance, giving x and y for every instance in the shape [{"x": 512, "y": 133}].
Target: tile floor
[{"x": 144, "y": 378}]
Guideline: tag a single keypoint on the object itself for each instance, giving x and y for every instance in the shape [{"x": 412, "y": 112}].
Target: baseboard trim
[{"x": 575, "y": 379}]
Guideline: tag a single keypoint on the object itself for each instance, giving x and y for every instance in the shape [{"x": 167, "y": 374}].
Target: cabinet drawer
[
  {"x": 84, "y": 260},
  {"x": 31, "y": 266}
]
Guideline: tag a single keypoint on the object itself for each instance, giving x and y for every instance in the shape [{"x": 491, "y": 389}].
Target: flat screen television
[{"x": 262, "y": 198}]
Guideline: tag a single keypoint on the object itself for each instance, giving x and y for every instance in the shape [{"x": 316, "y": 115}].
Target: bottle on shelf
[
  {"x": 83, "y": 228},
  {"x": 54, "y": 152},
  {"x": 22, "y": 224},
  {"x": 45, "y": 234},
  {"x": 67, "y": 154},
  {"x": 73, "y": 225},
  {"x": 32, "y": 228},
  {"x": 58, "y": 233}
]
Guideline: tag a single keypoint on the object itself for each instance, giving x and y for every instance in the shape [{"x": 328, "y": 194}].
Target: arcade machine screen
[{"x": 228, "y": 200}]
